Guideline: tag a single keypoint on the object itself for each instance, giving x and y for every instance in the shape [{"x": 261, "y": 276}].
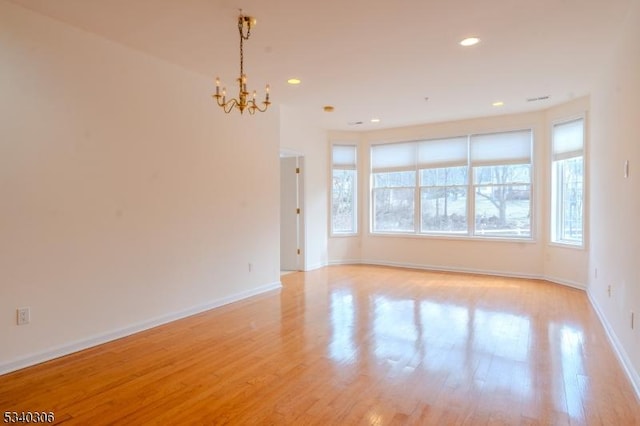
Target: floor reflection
[
  {"x": 491, "y": 344},
  {"x": 395, "y": 329},
  {"x": 470, "y": 346},
  {"x": 568, "y": 340},
  {"x": 342, "y": 347}
]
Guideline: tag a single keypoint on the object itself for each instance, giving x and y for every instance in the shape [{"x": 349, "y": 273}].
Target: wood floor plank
[{"x": 352, "y": 345}]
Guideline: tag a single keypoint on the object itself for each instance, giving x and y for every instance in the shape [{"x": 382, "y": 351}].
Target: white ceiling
[{"x": 373, "y": 58}]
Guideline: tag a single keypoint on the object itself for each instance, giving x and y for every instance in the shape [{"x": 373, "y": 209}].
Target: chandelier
[{"x": 243, "y": 101}]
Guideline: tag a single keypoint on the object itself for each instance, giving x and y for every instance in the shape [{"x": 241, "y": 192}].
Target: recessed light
[
  {"x": 293, "y": 81},
  {"x": 328, "y": 108},
  {"x": 375, "y": 120},
  {"x": 498, "y": 104},
  {"x": 470, "y": 41}
]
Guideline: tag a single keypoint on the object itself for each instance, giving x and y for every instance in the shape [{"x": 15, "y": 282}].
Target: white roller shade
[
  {"x": 568, "y": 139},
  {"x": 443, "y": 152},
  {"x": 501, "y": 148},
  {"x": 394, "y": 157},
  {"x": 343, "y": 157}
]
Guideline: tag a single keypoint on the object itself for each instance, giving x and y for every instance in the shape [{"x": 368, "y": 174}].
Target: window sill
[
  {"x": 345, "y": 235},
  {"x": 571, "y": 246},
  {"x": 526, "y": 240}
]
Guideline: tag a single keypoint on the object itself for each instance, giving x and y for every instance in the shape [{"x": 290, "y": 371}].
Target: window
[
  {"x": 443, "y": 200},
  {"x": 344, "y": 190},
  {"x": 567, "y": 182},
  {"x": 501, "y": 165},
  {"x": 393, "y": 187},
  {"x": 478, "y": 185},
  {"x": 393, "y": 201},
  {"x": 443, "y": 185}
]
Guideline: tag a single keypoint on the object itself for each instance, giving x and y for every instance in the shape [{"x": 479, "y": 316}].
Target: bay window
[{"x": 477, "y": 185}]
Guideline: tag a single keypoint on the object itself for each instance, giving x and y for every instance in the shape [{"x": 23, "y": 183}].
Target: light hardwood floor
[{"x": 352, "y": 345}]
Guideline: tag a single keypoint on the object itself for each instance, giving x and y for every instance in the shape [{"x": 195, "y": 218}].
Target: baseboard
[
  {"x": 99, "y": 339},
  {"x": 345, "y": 262},
  {"x": 315, "y": 266},
  {"x": 624, "y": 359},
  {"x": 566, "y": 283},
  {"x": 438, "y": 268},
  {"x": 507, "y": 274}
]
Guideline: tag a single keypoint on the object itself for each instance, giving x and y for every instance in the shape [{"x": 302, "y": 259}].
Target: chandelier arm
[
  {"x": 254, "y": 106},
  {"x": 231, "y": 103},
  {"x": 218, "y": 97}
]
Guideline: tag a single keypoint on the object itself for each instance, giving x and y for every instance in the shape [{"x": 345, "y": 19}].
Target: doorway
[{"x": 291, "y": 212}]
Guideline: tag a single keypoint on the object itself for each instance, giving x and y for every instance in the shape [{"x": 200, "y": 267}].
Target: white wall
[
  {"x": 615, "y": 200},
  {"x": 127, "y": 198},
  {"x": 299, "y": 135}
]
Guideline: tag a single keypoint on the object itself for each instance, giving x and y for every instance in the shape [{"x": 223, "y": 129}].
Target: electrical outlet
[
  {"x": 609, "y": 290},
  {"x": 23, "y": 316}
]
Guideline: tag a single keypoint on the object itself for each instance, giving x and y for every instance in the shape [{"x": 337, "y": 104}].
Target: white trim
[
  {"x": 585, "y": 184},
  {"x": 344, "y": 262},
  {"x": 570, "y": 246},
  {"x": 507, "y": 274},
  {"x": 566, "y": 283},
  {"x": 622, "y": 355},
  {"x": 78, "y": 345},
  {"x": 451, "y": 236},
  {"x": 434, "y": 268},
  {"x": 315, "y": 266}
]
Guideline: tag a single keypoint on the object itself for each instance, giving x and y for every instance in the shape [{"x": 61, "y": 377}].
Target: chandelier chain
[
  {"x": 241, "y": 51},
  {"x": 241, "y": 22}
]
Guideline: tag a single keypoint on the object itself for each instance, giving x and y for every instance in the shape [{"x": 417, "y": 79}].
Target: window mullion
[
  {"x": 471, "y": 202},
  {"x": 417, "y": 204}
]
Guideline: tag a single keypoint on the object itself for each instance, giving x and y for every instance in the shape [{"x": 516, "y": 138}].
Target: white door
[{"x": 289, "y": 215}]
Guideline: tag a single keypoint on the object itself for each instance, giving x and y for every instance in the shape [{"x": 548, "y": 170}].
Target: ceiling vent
[{"x": 539, "y": 98}]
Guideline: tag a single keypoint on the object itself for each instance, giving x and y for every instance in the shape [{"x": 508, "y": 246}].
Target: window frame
[
  {"x": 471, "y": 232},
  {"x": 375, "y": 189},
  {"x": 354, "y": 168},
  {"x": 445, "y": 187},
  {"x": 474, "y": 186},
  {"x": 556, "y": 211}
]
